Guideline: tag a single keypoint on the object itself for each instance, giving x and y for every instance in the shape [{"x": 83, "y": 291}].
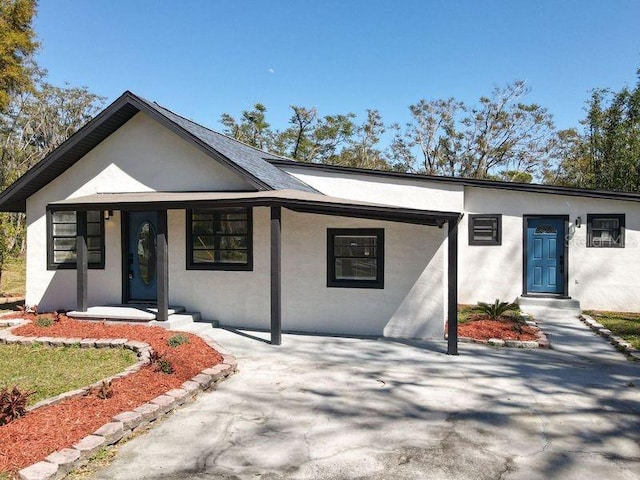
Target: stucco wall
[
  {"x": 140, "y": 156},
  {"x": 411, "y": 304},
  {"x": 235, "y": 298},
  {"x": 404, "y": 192},
  {"x": 601, "y": 278}
]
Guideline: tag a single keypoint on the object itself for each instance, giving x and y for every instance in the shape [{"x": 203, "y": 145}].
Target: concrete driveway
[{"x": 340, "y": 408}]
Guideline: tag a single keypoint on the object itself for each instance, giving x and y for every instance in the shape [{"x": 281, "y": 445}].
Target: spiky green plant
[{"x": 496, "y": 309}]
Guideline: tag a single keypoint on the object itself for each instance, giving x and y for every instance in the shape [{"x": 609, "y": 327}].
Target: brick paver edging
[
  {"x": 61, "y": 462},
  {"x": 620, "y": 343},
  {"x": 541, "y": 342}
]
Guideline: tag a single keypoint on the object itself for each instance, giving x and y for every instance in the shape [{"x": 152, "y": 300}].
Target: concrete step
[
  {"x": 197, "y": 328},
  {"x": 129, "y": 312},
  {"x": 213, "y": 323},
  {"x": 178, "y": 320},
  {"x": 537, "y": 305},
  {"x": 172, "y": 310}
]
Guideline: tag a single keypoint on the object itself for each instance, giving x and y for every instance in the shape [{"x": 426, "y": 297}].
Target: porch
[
  {"x": 275, "y": 201},
  {"x": 129, "y": 312}
]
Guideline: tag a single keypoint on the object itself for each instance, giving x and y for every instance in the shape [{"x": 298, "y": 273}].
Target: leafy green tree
[
  {"x": 496, "y": 138},
  {"x": 17, "y": 44},
  {"x": 574, "y": 167},
  {"x": 36, "y": 122},
  {"x": 252, "y": 128},
  {"x": 613, "y": 138},
  {"x": 362, "y": 150}
]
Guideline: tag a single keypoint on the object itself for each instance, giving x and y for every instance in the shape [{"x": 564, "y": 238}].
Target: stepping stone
[
  {"x": 39, "y": 471},
  {"x": 65, "y": 459},
  {"x": 112, "y": 432},
  {"x": 130, "y": 420}
]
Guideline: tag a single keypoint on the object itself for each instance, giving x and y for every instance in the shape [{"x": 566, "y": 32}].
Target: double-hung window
[
  {"x": 61, "y": 239},
  {"x": 219, "y": 239},
  {"x": 605, "y": 230},
  {"x": 355, "y": 257}
]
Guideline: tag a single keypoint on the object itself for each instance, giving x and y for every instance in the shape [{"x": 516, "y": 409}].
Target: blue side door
[
  {"x": 545, "y": 255},
  {"x": 142, "y": 279}
]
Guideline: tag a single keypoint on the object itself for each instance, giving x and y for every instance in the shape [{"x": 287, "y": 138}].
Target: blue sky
[{"x": 203, "y": 58}]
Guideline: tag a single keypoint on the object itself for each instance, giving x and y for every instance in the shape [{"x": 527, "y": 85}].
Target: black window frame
[
  {"x": 621, "y": 217},
  {"x": 219, "y": 266},
  {"x": 498, "y": 234},
  {"x": 332, "y": 281},
  {"x": 52, "y": 265}
]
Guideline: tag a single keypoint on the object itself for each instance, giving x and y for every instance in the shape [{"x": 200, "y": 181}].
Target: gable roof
[
  {"x": 248, "y": 162},
  {"x": 467, "y": 182}
]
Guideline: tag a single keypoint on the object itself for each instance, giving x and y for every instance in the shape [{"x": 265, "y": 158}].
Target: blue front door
[
  {"x": 142, "y": 256},
  {"x": 545, "y": 255}
]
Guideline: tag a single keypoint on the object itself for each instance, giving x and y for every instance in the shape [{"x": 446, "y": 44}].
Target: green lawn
[
  {"x": 622, "y": 324},
  {"x": 50, "y": 371},
  {"x": 13, "y": 277}
]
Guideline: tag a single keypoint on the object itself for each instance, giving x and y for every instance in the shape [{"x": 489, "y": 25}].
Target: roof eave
[{"x": 468, "y": 182}]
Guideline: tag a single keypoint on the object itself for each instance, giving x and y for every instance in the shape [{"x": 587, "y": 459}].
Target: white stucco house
[{"x": 144, "y": 206}]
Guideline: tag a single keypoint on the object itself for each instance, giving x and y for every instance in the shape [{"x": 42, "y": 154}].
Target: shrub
[
  {"x": 43, "y": 321},
  {"x": 177, "y": 340},
  {"x": 519, "y": 323},
  {"x": 160, "y": 363},
  {"x": 105, "y": 390},
  {"x": 496, "y": 309},
  {"x": 165, "y": 366},
  {"x": 13, "y": 404}
]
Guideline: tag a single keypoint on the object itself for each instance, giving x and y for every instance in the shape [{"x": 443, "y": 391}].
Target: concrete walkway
[{"x": 340, "y": 408}]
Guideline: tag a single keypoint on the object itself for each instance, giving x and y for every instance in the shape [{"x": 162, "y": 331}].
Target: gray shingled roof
[
  {"x": 247, "y": 157},
  {"x": 247, "y": 161}
]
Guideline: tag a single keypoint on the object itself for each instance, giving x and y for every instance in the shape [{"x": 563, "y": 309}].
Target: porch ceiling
[{"x": 292, "y": 199}]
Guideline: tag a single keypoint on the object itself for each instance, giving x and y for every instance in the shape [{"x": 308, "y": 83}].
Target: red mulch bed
[
  {"x": 481, "y": 327},
  {"x": 48, "y": 429}
]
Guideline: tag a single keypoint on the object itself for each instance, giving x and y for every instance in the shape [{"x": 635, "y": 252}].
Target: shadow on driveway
[{"x": 333, "y": 407}]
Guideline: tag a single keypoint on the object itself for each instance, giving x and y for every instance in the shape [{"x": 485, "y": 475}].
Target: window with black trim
[
  {"x": 485, "y": 229},
  {"x": 355, "y": 257},
  {"x": 61, "y": 239},
  {"x": 605, "y": 230},
  {"x": 219, "y": 239}
]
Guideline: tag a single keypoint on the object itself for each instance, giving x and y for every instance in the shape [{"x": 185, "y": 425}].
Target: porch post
[
  {"x": 162, "y": 267},
  {"x": 82, "y": 261},
  {"x": 276, "y": 276},
  {"x": 452, "y": 274}
]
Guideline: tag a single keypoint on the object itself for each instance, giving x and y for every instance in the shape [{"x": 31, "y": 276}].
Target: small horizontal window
[
  {"x": 485, "y": 229},
  {"x": 355, "y": 258},
  {"x": 605, "y": 231}
]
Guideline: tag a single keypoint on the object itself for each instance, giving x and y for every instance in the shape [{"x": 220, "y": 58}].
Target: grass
[
  {"x": 465, "y": 312},
  {"x": 622, "y": 324},
  {"x": 49, "y": 371},
  {"x": 13, "y": 277}
]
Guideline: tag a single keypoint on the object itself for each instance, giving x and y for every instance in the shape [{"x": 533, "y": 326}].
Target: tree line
[{"x": 499, "y": 137}]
